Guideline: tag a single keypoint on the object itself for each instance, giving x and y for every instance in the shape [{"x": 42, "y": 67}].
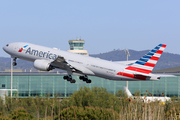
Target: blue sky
[{"x": 104, "y": 25}]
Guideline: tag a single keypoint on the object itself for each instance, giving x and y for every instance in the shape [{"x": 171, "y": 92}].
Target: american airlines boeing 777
[{"x": 46, "y": 59}]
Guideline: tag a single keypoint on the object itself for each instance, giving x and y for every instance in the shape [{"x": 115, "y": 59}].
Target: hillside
[
  {"x": 5, "y": 63},
  {"x": 167, "y": 60}
]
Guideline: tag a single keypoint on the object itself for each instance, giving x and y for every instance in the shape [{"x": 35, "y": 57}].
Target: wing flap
[
  {"x": 70, "y": 66},
  {"x": 60, "y": 63}
]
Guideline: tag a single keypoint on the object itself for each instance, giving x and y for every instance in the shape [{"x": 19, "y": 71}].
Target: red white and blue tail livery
[{"x": 143, "y": 67}]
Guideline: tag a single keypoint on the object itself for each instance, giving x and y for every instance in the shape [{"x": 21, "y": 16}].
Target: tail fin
[
  {"x": 142, "y": 68},
  {"x": 146, "y": 63},
  {"x": 127, "y": 92}
]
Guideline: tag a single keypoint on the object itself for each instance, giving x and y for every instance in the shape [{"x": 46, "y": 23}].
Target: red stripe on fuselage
[
  {"x": 140, "y": 77},
  {"x": 138, "y": 70}
]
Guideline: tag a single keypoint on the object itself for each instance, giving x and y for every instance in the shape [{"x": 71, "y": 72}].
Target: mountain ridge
[{"x": 167, "y": 60}]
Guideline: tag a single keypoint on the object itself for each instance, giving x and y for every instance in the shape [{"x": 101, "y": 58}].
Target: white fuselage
[{"x": 98, "y": 67}]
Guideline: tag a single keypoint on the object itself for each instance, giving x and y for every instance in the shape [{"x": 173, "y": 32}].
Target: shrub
[
  {"x": 93, "y": 97},
  {"x": 20, "y": 114},
  {"x": 88, "y": 113}
]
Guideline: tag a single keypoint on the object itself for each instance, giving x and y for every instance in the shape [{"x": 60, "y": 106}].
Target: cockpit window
[{"x": 7, "y": 45}]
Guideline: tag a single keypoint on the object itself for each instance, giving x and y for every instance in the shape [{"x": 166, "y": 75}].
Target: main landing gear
[
  {"x": 85, "y": 78},
  {"x": 14, "y": 62},
  {"x": 69, "y": 78}
]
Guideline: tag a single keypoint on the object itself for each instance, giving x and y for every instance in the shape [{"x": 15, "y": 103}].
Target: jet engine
[{"x": 43, "y": 65}]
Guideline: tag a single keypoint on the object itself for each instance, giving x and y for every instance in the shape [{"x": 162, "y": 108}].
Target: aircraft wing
[
  {"x": 71, "y": 66},
  {"x": 125, "y": 62},
  {"x": 61, "y": 63}
]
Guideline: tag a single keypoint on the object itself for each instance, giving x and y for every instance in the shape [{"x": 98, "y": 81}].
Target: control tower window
[
  {"x": 81, "y": 44},
  {"x": 75, "y": 44},
  {"x": 71, "y": 45}
]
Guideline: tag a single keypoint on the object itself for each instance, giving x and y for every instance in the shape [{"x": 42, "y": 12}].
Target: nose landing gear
[{"x": 14, "y": 62}]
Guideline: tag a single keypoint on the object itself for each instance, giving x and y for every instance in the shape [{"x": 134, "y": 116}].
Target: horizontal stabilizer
[{"x": 163, "y": 75}]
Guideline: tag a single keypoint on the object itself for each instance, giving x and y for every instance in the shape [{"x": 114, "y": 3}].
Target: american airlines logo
[
  {"x": 20, "y": 50},
  {"x": 38, "y": 53}
]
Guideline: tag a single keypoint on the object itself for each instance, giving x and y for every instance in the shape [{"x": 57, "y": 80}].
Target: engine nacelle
[{"x": 43, "y": 65}]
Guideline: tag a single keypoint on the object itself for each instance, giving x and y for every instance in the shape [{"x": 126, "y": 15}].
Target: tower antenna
[{"x": 127, "y": 54}]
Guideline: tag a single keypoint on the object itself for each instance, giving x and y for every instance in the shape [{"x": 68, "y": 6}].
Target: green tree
[
  {"x": 46, "y": 103},
  {"x": 95, "y": 97},
  {"x": 20, "y": 114},
  {"x": 88, "y": 113},
  {"x": 37, "y": 102},
  {"x": 120, "y": 93}
]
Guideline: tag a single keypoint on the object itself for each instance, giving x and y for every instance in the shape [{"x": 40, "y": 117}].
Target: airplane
[
  {"x": 46, "y": 59},
  {"x": 148, "y": 98}
]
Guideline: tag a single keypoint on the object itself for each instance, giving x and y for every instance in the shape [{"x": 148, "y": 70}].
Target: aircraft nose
[{"x": 5, "y": 47}]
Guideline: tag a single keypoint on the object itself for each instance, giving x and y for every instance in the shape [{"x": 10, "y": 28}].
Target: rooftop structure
[{"x": 76, "y": 46}]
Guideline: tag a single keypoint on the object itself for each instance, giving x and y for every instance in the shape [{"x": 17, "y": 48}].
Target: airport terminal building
[
  {"x": 32, "y": 84},
  {"x": 42, "y": 83}
]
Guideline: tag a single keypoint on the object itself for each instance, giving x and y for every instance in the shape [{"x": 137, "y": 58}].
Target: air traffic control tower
[{"x": 76, "y": 46}]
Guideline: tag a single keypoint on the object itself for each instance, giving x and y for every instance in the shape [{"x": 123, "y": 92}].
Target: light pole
[
  {"x": 127, "y": 54},
  {"x": 11, "y": 74}
]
